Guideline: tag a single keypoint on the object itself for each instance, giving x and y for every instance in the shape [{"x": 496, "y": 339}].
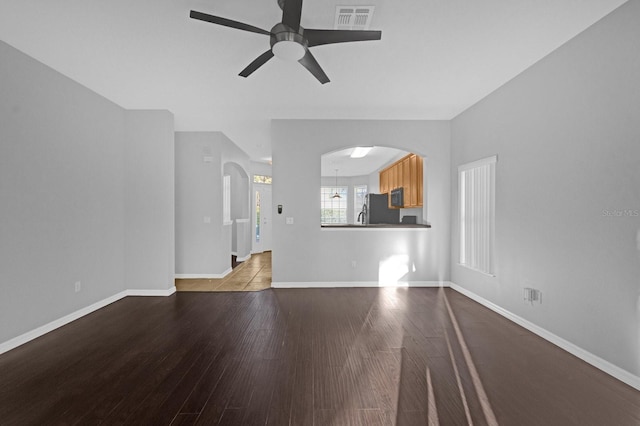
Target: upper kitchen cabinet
[{"x": 405, "y": 173}]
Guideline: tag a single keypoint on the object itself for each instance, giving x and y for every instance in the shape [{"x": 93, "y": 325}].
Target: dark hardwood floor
[{"x": 304, "y": 357}]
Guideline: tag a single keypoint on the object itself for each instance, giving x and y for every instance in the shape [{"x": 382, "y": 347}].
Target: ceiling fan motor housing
[{"x": 286, "y": 43}]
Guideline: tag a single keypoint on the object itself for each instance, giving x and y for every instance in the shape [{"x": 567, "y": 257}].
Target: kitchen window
[{"x": 333, "y": 209}]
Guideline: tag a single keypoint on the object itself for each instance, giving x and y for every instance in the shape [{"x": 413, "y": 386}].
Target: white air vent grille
[{"x": 353, "y": 17}]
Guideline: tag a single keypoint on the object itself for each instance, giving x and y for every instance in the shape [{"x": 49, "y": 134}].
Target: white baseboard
[
  {"x": 142, "y": 292},
  {"x": 351, "y": 284},
  {"x": 35, "y": 333},
  {"x": 42, "y": 330},
  {"x": 243, "y": 259},
  {"x": 609, "y": 368},
  {"x": 203, "y": 276}
]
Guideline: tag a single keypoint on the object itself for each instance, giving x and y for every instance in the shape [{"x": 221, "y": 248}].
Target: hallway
[{"x": 252, "y": 275}]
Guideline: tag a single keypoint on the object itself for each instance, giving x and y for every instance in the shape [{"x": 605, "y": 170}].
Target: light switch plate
[{"x": 289, "y": 221}]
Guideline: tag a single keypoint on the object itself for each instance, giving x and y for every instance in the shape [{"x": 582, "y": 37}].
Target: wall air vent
[{"x": 353, "y": 17}]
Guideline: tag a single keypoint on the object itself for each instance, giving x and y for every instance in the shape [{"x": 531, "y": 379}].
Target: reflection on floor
[{"x": 252, "y": 275}]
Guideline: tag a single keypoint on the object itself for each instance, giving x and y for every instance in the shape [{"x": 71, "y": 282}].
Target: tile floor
[{"x": 252, "y": 275}]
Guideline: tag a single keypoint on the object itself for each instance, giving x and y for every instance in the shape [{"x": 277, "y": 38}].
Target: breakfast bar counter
[{"x": 378, "y": 226}]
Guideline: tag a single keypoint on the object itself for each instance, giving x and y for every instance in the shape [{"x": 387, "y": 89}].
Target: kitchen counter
[{"x": 378, "y": 226}]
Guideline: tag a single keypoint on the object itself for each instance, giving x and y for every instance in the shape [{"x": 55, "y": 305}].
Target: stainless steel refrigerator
[{"x": 378, "y": 210}]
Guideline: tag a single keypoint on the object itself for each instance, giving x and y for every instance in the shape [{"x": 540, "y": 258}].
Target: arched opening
[{"x": 346, "y": 180}]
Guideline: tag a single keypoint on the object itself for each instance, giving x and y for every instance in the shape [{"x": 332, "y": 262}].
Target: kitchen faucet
[{"x": 363, "y": 215}]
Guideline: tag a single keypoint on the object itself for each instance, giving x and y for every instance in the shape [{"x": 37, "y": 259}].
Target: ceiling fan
[{"x": 289, "y": 40}]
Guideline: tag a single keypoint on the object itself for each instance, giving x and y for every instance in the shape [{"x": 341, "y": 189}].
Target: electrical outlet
[
  {"x": 532, "y": 295},
  {"x": 78, "y": 286}
]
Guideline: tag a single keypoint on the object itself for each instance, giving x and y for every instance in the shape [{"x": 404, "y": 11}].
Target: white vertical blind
[{"x": 476, "y": 188}]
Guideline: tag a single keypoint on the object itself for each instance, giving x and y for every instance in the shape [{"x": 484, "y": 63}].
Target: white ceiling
[
  {"x": 378, "y": 158},
  {"x": 436, "y": 57}
]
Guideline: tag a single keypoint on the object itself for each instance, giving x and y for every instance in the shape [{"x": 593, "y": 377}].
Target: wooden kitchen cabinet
[
  {"x": 416, "y": 189},
  {"x": 407, "y": 184},
  {"x": 384, "y": 181},
  {"x": 396, "y": 177},
  {"x": 419, "y": 180},
  {"x": 405, "y": 173}
]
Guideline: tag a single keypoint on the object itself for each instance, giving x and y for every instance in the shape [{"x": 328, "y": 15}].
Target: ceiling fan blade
[
  {"x": 291, "y": 13},
  {"x": 310, "y": 63},
  {"x": 227, "y": 22},
  {"x": 318, "y": 37},
  {"x": 257, "y": 63}
]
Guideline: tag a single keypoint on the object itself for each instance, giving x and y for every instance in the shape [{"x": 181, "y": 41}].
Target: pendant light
[{"x": 336, "y": 195}]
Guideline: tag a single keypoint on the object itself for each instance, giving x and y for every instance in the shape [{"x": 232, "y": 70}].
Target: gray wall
[
  {"x": 304, "y": 253},
  {"x": 203, "y": 249},
  {"x": 64, "y": 210},
  {"x": 567, "y": 136},
  {"x": 149, "y": 200}
]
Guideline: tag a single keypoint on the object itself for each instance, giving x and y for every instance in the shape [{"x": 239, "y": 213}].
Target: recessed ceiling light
[{"x": 360, "y": 151}]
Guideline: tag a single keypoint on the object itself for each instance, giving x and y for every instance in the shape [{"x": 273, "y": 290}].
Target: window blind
[{"x": 477, "y": 214}]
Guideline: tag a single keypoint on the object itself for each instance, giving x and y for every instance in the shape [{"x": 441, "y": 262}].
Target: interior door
[{"x": 261, "y": 218}]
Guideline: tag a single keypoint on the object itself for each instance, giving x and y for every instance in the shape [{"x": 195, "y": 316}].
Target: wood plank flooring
[
  {"x": 363, "y": 356},
  {"x": 252, "y": 275}
]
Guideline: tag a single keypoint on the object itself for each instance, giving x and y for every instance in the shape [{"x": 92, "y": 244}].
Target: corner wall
[
  {"x": 567, "y": 135},
  {"x": 85, "y": 196},
  {"x": 149, "y": 202},
  {"x": 203, "y": 246},
  {"x": 61, "y": 195}
]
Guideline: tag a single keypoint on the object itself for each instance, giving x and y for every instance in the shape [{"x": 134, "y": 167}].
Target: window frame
[{"x": 343, "y": 190}]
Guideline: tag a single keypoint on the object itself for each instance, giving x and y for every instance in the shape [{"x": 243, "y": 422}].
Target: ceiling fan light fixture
[
  {"x": 360, "y": 151},
  {"x": 288, "y": 50}
]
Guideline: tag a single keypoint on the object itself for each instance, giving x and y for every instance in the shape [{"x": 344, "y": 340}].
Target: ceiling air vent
[{"x": 353, "y": 17}]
